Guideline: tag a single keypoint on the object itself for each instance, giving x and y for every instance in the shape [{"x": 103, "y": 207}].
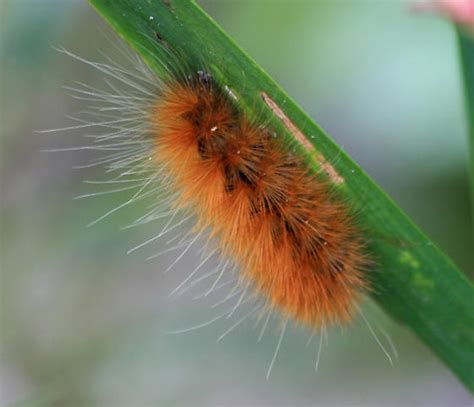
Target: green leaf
[
  {"x": 466, "y": 48},
  {"x": 414, "y": 281}
]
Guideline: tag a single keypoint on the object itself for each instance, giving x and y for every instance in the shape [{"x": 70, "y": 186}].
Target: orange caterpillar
[
  {"x": 276, "y": 220},
  {"x": 261, "y": 206}
]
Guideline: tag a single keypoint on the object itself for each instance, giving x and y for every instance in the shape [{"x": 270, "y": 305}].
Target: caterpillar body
[
  {"x": 249, "y": 195},
  {"x": 294, "y": 244}
]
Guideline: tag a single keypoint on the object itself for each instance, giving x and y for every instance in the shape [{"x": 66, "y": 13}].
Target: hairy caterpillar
[{"x": 239, "y": 187}]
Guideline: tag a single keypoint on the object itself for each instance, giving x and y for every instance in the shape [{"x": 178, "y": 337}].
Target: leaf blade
[{"x": 416, "y": 283}]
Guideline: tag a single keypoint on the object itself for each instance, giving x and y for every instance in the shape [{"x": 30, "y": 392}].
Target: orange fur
[{"x": 294, "y": 242}]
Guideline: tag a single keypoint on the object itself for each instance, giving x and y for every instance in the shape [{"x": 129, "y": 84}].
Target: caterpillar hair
[{"x": 286, "y": 243}]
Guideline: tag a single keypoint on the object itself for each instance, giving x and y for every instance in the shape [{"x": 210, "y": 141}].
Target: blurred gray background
[{"x": 84, "y": 324}]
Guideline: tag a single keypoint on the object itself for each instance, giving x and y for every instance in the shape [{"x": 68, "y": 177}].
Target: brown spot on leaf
[{"x": 323, "y": 163}]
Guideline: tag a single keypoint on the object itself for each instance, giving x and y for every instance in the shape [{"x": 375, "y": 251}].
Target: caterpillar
[
  {"x": 292, "y": 241},
  {"x": 289, "y": 243}
]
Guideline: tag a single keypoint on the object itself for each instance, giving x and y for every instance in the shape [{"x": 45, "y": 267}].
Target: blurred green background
[{"x": 83, "y": 324}]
